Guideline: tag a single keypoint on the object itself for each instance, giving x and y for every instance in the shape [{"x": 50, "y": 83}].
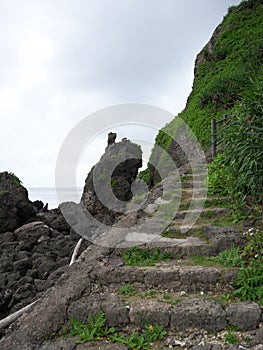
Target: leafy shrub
[
  {"x": 224, "y": 91},
  {"x": 96, "y": 330},
  {"x": 249, "y": 281},
  {"x": 249, "y": 284},
  {"x": 145, "y": 176},
  {"x": 220, "y": 178},
  {"x": 238, "y": 171},
  {"x": 230, "y": 257}
]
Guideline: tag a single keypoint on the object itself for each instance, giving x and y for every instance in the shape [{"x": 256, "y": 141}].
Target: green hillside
[
  {"x": 228, "y": 81},
  {"x": 226, "y": 71}
]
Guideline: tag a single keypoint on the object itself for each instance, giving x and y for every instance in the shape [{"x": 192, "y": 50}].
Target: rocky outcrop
[
  {"x": 108, "y": 185},
  {"x": 36, "y": 245},
  {"x": 206, "y": 53},
  {"x": 32, "y": 259},
  {"x": 15, "y": 207}
]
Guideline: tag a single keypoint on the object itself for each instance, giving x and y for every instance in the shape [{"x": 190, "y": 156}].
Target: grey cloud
[{"x": 127, "y": 50}]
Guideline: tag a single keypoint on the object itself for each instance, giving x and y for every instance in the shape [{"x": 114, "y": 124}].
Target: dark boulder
[
  {"x": 39, "y": 205},
  {"x": 54, "y": 219},
  {"x": 15, "y": 207}
]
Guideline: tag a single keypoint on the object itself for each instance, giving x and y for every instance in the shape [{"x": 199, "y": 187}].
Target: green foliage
[
  {"x": 222, "y": 83},
  {"x": 16, "y": 180},
  {"x": 145, "y": 176},
  {"x": 230, "y": 257},
  {"x": 97, "y": 330},
  {"x": 220, "y": 177},
  {"x": 150, "y": 293},
  {"x": 144, "y": 257},
  {"x": 94, "y": 330},
  {"x": 230, "y": 337},
  {"x": 243, "y": 154},
  {"x": 224, "y": 92},
  {"x": 166, "y": 296},
  {"x": 175, "y": 233},
  {"x": 154, "y": 333},
  {"x": 114, "y": 182},
  {"x": 249, "y": 284},
  {"x": 127, "y": 290},
  {"x": 253, "y": 251},
  {"x": 136, "y": 341}
]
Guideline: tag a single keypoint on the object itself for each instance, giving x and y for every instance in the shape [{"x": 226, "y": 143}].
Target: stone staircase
[
  {"x": 189, "y": 299},
  {"x": 185, "y": 299},
  {"x": 180, "y": 294},
  {"x": 176, "y": 212}
]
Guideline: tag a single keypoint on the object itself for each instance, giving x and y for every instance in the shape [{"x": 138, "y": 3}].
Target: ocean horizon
[{"x": 54, "y": 196}]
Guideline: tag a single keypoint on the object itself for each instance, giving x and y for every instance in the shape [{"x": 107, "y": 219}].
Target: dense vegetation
[
  {"x": 223, "y": 71},
  {"x": 237, "y": 171},
  {"x": 228, "y": 81}
]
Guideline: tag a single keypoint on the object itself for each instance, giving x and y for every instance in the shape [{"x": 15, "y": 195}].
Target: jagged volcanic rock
[
  {"x": 108, "y": 185},
  {"x": 15, "y": 207}
]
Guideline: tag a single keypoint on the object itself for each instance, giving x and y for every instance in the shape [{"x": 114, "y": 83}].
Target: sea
[{"x": 54, "y": 196}]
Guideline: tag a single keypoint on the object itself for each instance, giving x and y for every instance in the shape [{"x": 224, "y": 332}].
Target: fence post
[{"x": 213, "y": 132}]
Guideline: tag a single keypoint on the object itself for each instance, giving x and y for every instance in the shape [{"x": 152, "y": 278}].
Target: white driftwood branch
[
  {"x": 75, "y": 252},
  {"x": 12, "y": 318}
]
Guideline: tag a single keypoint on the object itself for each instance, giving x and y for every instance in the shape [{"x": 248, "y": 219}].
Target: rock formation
[
  {"x": 108, "y": 185},
  {"x": 32, "y": 259},
  {"x": 15, "y": 207}
]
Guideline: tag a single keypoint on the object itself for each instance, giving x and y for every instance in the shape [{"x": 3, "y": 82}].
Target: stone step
[
  {"x": 191, "y": 184},
  {"x": 196, "y": 313},
  {"x": 169, "y": 276},
  {"x": 216, "y": 211},
  {"x": 192, "y": 323}
]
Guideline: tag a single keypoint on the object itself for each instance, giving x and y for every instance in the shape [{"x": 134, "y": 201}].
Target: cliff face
[{"x": 226, "y": 70}]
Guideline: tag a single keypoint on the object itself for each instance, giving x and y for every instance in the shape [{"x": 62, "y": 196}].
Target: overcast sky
[{"x": 61, "y": 60}]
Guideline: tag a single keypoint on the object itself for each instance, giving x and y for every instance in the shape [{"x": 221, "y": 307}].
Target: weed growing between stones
[
  {"x": 249, "y": 284},
  {"x": 231, "y": 337},
  {"x": 127, "y": 290},
  {"x": 176, "y": 233},
  {"x": 96, "y": 329},
  {"x": 136, "y": 256},
  {"x": 230, "y": 258}
]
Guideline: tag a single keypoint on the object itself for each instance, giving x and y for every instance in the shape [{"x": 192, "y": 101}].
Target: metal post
[{"x": 213, "y": 132}]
